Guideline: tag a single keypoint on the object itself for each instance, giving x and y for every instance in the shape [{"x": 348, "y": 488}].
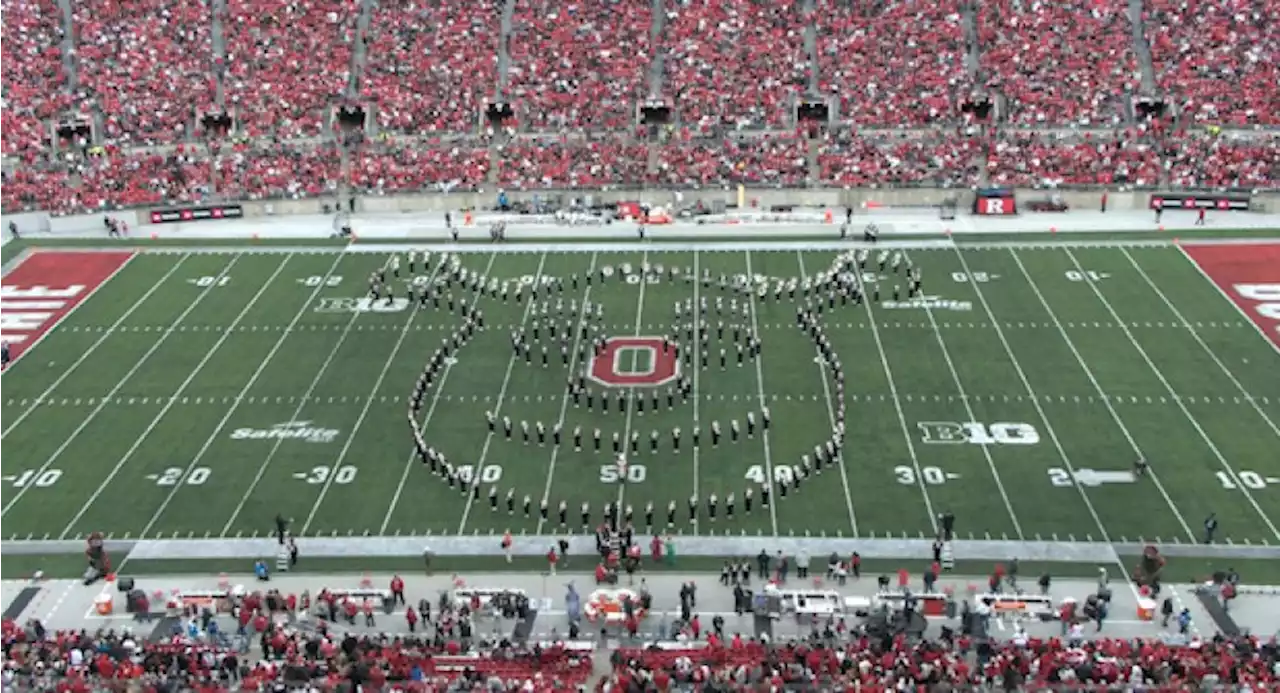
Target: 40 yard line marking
[
  {"x": 151, "y": 427},
  {"x": 35, "y": 403},
  {"x": 831, "y": 414},
  {"x": 564, "y": 401},
  {"x": 502, "y": 395},
  {"x": 1177, "y": 400},
  {"x": 1102, "y": 395},
  {"x": 764, "y": 434},
  {"x": 106, "y": 399},
  {"x": 431, "y": 411},
  {"x": 302, "y": 403}
]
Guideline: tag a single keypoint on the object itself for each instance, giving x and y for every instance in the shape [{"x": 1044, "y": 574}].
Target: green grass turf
[{"x": 173, "y": 417}]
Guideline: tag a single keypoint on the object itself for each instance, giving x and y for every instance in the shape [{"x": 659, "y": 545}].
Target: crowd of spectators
[
  {"x": 892, "y": 62},
  {"x": 31, "y": 73},
  {"x": 260, "y": 170},
  {"x": 734, "y": 62},
  {"x": 777, "y": 160},
  {"x": 1220, "y": 61},
  {"x": 1026, "y": 159},
  {"x": 392, "y": 166},
  {"x": 570, "y": 162},
  {"x": 580, "y": 65},
  {"x": 147, "y": 64},
  {"x": 1203, "y": 160},
  {"x": 944, "y": 159},
  {"x": 288, "y": 62},
  {"x": 1059, "y": 61},
  {"x": 431, "y": 65},
  {"x": 110, "y": 179}
]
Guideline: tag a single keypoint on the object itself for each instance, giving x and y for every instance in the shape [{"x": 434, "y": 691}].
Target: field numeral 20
[
  {"x": 342, "y": 475},
  {"x": 1249, "y": 480},
  {"x": 318, "y": 280},
  {"x": 39, "y": 479},
  {"x": 173, "y": 476}
]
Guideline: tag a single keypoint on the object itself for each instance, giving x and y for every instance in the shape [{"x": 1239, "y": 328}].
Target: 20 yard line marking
[
  {"x": 831, "y": 415},
  {"x": 306, "y": 396},
  {"x": 35, "y": 403},
  {"x": 502, "y": 394},
  {"x": 431, "y": 411},
  {"x": 1178, "y": 401},
  {"x": 1035, "y": 402},
  {"x": 631, "y": 392},
  {"x": 564, "y": 401},
  {"x": 764, "y": 434},
  {"x": 146, "y": 433},
  {"x": 118, "y": 386},
  {"x": 238, "y": 400}
]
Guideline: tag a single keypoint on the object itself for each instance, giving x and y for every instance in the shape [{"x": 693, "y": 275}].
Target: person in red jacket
[
  {"x": 411, "y": 616},
  {"x": 397, "y": 591},
  {"x": 655, "y": 549}
]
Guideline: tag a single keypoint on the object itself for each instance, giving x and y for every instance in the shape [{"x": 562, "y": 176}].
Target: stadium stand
[
  {"x": 267, "y": 170},
  {"x": 399, "y": 167},
  {"x": 528, "y": 164},
  {"x": 1029, "y": 160},
  {"x": 771, "y": 160},
  {"x": 32, "y": 74},
  {"x": 944, "y": 160}
]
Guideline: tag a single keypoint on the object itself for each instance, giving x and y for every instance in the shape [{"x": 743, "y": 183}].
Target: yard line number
[
  {"x": 977, "y": 277},
  {"x": 489, "y": 473},
  {"x": 1248, "y": 479},
  {"x": 610, "y": 474},
  {"x": 342, "y": 475},
  {"x": 173, "y": 476},
  {"x": 36, "y": 478},
  {"x": 319, "y": 280},
  {"x": 208, "y": 281},
  {"x": 1086, "y": 276}
]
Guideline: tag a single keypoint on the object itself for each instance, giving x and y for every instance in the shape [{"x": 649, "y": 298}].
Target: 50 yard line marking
[
  {"x": 146, "y": 433},
  {"x": 35, "y": 403},
  {"x": 583, "y": 317},
  {"x": 631, "y": 392},
  {"x": 502, "y": 395},
  {"x": 302, "y": 403},
  {"x": 1177, "y": 399},
  {"x": 107, "y": 399},
  {"x": 831, "y": 414},
  {"x": 239, "y": 398},
  {"x": 764, "y": 433},
  {"x": 431, "y": 411}
]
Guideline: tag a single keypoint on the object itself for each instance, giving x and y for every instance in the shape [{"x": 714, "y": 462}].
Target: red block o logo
[{"x": 631, "y": 361}]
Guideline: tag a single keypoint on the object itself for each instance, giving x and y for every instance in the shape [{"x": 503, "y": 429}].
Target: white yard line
[
  {"x": 764, "y": 433},
  {"x": 151, "y": 427},
  {"x": 583, "y": 317},
  {"x": 35, "y": 403},
  {"x": 1177, "y": 400},
  {"x": 67, "y": 316},
  {"x": 968, "y": 408},
  {"x": 631, "y": 403},
  {"x": 897, "y": 405},
  {"x": 502, "y": 395},
  {"x": 106, "y": 400},
  {"x": 431, "y": 411},
  {"x": 1035, "y": 402},
  {"x": 302, "y": 403},
  {"x": 831, "y": 414},
  {"x": 695, "y": 361},
  {"x": 1257, "y": 328}
]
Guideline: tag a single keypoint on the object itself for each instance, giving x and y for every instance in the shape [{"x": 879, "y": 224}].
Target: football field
[{"x": 198, "y": 393}]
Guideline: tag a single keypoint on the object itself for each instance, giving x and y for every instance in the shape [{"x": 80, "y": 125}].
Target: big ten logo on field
[
  {"x": 361, "y": 305},
  {"x": 635, "y": 361},
  {"x": 977, "y": 433}
]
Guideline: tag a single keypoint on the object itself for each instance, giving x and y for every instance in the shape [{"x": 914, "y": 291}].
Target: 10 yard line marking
[
  {"x": 1102, "y": 394},
  {"x": 239, "y": 398},
  {"x": 626, "y": 430},
  {"x": 435, "y": 400},
  {"x": 964, "y": 398},
  {"x": 831, "y": 414},
  {"x": 306, "y": 396},
  {"x": 1177, "y": 400},
  {"x": 151, "y": 427},
  {"x": 564, "y": 401},
  {"x": 106, "y": 400},
  {"x": 764, "y": 434},
  {"x": 502, "y": 395},
  {"x": 35, "y": 403}
]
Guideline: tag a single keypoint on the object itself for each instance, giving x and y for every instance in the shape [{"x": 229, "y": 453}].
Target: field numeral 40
[{"x": 1249, "y": 480}]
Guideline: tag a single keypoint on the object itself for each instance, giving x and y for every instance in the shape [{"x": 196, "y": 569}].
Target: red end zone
[
  {"x": 45, "y": 288},
  {"x": 1250, "y": 276}
]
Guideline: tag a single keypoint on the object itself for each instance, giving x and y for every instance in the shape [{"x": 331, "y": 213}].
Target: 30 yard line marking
[
  {"x": 968, "y": 408},
  {"x": 1102, "y": 395},
  {"x": 764, "y": 434},
  {"x": 146, "y": 433},
  {"x": 1177, "y": 400},
  {"x": 239, "y": 399},
  {"x": 502, "y": 395},
  {"x": 118, "y": 386},
  {"x": 1035, "y": 402},
  {"x": 431, "y": 411},
  {"x": 306, "y": 396},
  {"x": 631, "y": 392},
  {"x": 831, "y": 414},
  {"x": 897, "y": 405},
  {"x": 1243, "y": 315},
  {"x": 35, "y": 403},
  {"x": 583, "y": 317}
]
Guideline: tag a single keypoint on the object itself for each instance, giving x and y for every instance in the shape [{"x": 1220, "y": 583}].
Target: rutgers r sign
[
  {"x": 996, "y": 206},
  {"x": 633, "y": 361}
]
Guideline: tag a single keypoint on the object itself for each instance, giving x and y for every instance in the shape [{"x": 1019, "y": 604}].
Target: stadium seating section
[{"x": 144, "y": 74}]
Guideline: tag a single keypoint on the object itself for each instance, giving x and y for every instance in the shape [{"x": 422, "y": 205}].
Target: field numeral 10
[
  {"x": 39, "y": 479},
  {"x": 1086, "y": 276},
  {"x": 1249, "y": 480}
]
